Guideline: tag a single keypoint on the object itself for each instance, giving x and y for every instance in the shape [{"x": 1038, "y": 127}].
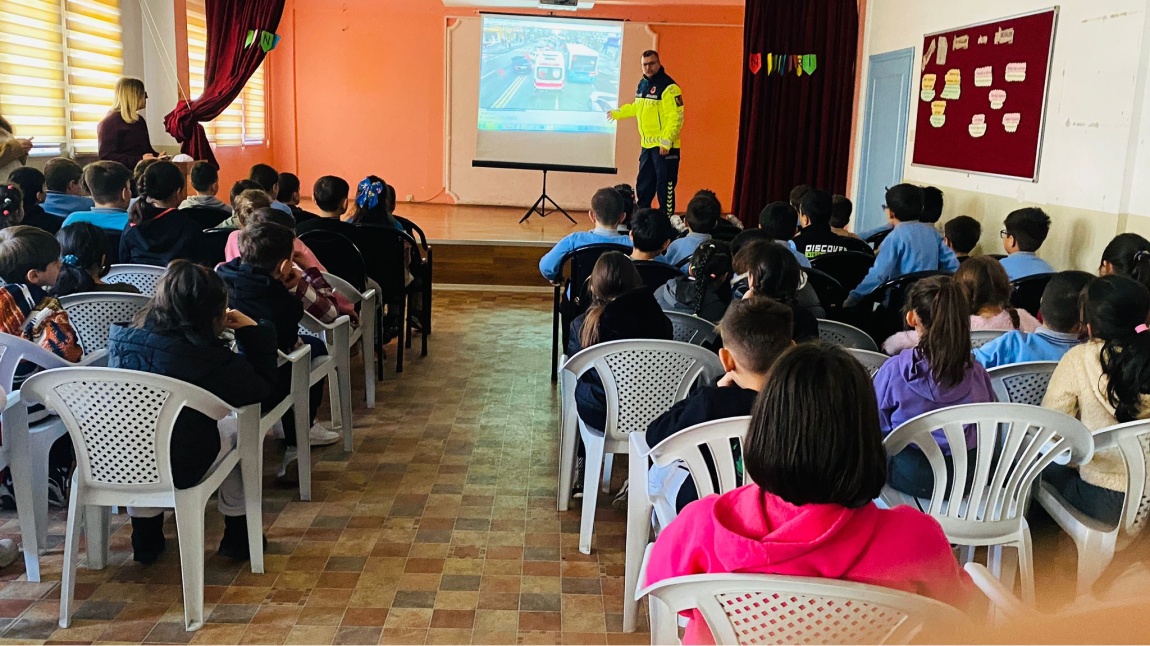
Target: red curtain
[
  {"x": 228, "y": 67},
  {"x": 795, "y": 129}
]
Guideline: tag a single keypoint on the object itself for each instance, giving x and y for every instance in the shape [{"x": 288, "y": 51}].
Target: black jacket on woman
[{"x": 239, "y": 379}]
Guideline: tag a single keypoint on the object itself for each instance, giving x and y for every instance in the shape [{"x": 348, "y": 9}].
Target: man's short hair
[
  {"x": 904, "y": 202},
  {"x": 649, "y": 53},
  {"x": 265, "y": 176},
  {"x": 931, "y": 205},
  {"x": 816, "y": 205},
  {"x": 607, "y": 205},
  {"x": 841, "y": 209},
  {"x": 204, "y": 174},
  {"x": 24, "y": 248},
  {"x": 963, "y": 233},
  {"x": 289, "y": 186},
  {"x": 1029, "y": 227},
  {"x": 650, "y": 230},
  {"x": 1060, "y": 300},
  {"x": 106, "y": 180},
  {"x": 59, "y": 172},
  {"x": 703, "y": 212},
  {"x": 779, "y": 220},
  {"x": 796, "y": 197},
  {"x": 757, "y": 330},
  {"x": 329, "y": 192},
  {"x": 265, "y": 245}
]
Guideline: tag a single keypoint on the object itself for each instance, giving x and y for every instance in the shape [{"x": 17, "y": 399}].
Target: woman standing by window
[
  {"x": 123, "y": 134},
  {"x": 13, "y": 151}
]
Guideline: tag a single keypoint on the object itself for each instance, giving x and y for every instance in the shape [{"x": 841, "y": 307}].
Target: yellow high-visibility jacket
[{"x": 658, "y": 107}]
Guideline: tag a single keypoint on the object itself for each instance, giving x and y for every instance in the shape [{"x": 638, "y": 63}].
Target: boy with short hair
[
  {"x": 841, "y": 209},
  {"x": 1060, "y": 331},
  {"x": 796, "y": 197},
  {"x": 110, "y": 184},
  {"x": 651, "y": 233},
  {"x": 816, "y": 237},
  {"x": 65, "y": 195},
  {"x": 1024, "y": 232},
  {"x": 289, "y": 195},
  {"x": 962, "y": 234},
  {"x": 931, "y": 205},
  {"x": 269, "y": 181},
  {"x": 31, "y": 183},
  {"x": 702, "y": 216},
  {"x": 330, "y": 194},
  {"x": 912, "y": 246},
  {"x": 777, "y": 222},
  {"x": 606, "y": 213},
  {"x": 206, "y": 182},
  {"x": 755, "y": 331}
]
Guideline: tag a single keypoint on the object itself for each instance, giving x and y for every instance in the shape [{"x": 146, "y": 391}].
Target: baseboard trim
[{"x": 518, "y": 289}]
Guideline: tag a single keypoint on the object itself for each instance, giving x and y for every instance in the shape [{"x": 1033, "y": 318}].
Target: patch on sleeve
[{"x": 679, "y": 100}]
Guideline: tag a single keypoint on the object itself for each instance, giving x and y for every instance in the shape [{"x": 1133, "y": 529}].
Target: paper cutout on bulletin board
[
  {"x": 929, "y": 53},
  {"x": 982, "y": 40},
  {"x": 1010, "y": 121},
  {"x": 952, "y": 90},
  {"x": 938, "y": 113},
  {"x": 960, "y": 42},
  {"x": 983, "y": 76},
  {"x": 940, "y": 57},
  {"x": 928, "y": 81},
  {"x": 997, "y": 98},
  {"x": 977, "y": 126},
  {"x": 1015, "y": 72},
  {"x": 1004, "y": 36}
]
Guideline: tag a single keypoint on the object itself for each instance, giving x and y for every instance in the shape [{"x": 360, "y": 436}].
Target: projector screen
[{"x": 545, "y": 85}]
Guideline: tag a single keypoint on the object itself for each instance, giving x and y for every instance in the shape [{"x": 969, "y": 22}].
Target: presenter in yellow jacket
[{"x": 658, "y": 107}]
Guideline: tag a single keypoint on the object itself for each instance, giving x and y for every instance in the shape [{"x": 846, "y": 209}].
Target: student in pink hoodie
[{"x": 814, "y": 453}]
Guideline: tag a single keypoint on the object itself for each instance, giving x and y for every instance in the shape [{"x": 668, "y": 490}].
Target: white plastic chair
[
  {"x": 1015, "y": 442},
  {"x": 979, "y": 338},
  {"x": 847, "y": 336},
  {"x": 337, "y": 338},
  {"x": 1096, "y": 541},
  {"x": 691, "y": 329},
  {"x": 1022, "y": 383},
  {"x": 121, "y": 424},
  {"x": 142, "y": 277},
  {"x": 685, "y": 447},
  {"x": 364, "y": 335},
  {"x": 93, "y": 313},
  {"x": 872, "y": 361},
  {"x": 642, "y": 380},
  {"x": 772, "y": 609}
]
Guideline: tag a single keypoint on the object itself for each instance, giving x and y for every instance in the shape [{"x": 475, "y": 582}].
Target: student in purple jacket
[{"x": 123, "y": 134}]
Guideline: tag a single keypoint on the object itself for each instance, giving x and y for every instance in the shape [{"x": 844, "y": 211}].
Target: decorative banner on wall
[
  {"x": 267, "y": 39},
  {"x": 779, "y": 64}
]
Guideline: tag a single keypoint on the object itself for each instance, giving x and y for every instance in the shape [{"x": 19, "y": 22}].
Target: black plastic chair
[
  {"x": 1027, "y": 294},
  {"x": 384, "y": 250},
  {"x": 339, "y": 256},
  {"x": 655, "y": 273},
  {"x": 847, "y": 267},
  {"x": 415, "y": 232},
  {"x": 112, "y": 246},
  {"x": 569, "y": 299},
  {"x": 205, "y": 217},
  {"x": 212, "y": 245},
  {"x": 880, "y": 314},
  {"x": 831, "y": 293},
  {"x": 876, "y": 239}
]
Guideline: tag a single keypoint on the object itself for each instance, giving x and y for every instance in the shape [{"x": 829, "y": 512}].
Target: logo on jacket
[{"x": 653, "y": 90}]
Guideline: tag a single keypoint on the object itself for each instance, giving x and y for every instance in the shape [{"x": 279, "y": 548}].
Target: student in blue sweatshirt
[
  {"x": 1024, "y": 232},
  {"x": 606, "y": 212},
  {"x": 1060, "y": 329},
  {"x": 64, "y": 196},
  {"x": 703, "y": 215},
  {"x": 778, "y": 222},
  {"x": 110, "y": 184},
  {"x": 911, "y": 247}
]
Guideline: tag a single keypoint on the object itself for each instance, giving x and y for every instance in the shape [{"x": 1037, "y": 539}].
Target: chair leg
[
  {"x": 251, "y": 474},
  {"x": 638, "y": 535},
  {"x": 555, "y": 338},
  {"x": 1026, "y": 566},
  {"x": 592, "y": 467},
  {"x": 25, "y": 475},
  {"x": 367, "y": 347},
  {"x": 379, "y": 342},
  {"x": 299, "y": 410},
  {"x": 190, "y": 532},
  {"x": 401, "y": 342},
  {"x": 96, "y": 530},
  {"x": 71, "y": 555},
  {"x": 605, "y": 482},
  {"x": 567, "y": 435},
  {"x": 1095, "y": 552}
]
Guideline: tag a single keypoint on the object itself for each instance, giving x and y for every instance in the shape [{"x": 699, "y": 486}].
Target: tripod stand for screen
[
  {"x": 545, "y": 205},
  {"x": 540, "y": 205}
]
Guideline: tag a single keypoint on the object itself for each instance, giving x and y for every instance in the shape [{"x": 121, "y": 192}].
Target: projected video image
[{"x": 558, "y": 75}]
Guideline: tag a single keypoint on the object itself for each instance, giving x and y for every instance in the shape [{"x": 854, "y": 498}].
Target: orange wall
[{"x": 357, "y": 87}]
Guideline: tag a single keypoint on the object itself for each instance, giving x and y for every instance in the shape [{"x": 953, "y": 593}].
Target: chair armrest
[
  {"x": 294, "y": 356},
  {"x": 1000, "y": 597},
  {"x": 98, "y": 359},
  {"x": 312, "y": 324},
  {"x": 642, "y": 592}
]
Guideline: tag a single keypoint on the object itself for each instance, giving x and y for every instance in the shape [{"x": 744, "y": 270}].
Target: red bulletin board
[{"x": 963, "y": 73}]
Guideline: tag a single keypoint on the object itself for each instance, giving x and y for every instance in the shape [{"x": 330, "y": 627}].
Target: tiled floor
[{"x": 440, "y": 527}]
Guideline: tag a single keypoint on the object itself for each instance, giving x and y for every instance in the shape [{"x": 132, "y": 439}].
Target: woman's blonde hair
[
  {"x": 249, "y": 202},
  {"x": 130, "y": 96}
]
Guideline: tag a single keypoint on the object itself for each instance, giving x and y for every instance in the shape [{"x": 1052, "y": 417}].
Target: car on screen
[
  {"x": 521, "y": 64},
  {"x": 603, "y": 101}
]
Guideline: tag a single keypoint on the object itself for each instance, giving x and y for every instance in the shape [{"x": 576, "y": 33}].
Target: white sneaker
[
  {"x": 290, "y": 456},
  {"x": 8, "y": 552},
  {"x": 320, "y": 435}
]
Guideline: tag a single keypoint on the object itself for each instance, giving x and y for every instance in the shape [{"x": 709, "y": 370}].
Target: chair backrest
[
  {"x": 339, "y": 255},
  {"x": 413, "y": 230},
  {"x": 142, "y": 277},
  {"x": 1015, "y": 442},
  {"x": 206, "y": 217},
  {"x": 870, "y": 360},
  {"x": 847, "y": 336},
  {"x": 831, "y": 294},
  {"x": 383, "y": 249},
  {"x": 15, "y": 350},
  {"x": 1027, "y": 293},
  {"x": 643, "y": 378},
  {"x": 120, "y": 421},
  {"x": 93, "y": 313},
  {"x": 691, "y": 329},
  {"x": 876, "y": 239},
  {"x": 1022, "y": 383},
  {"x": 579, "y": 263},
  {"x": 212, "y": 246},
  {"x": 979, "y": 338},
  {"x": 344, "y": 288},
  {"x": 847, "y": 267},
  {"x": 1132, "y": 439},
  {"x": 888, "y": 319},
  {"x": 655, "y": 273},
  {"x": 709, "y": 439},
  {"x": 773, "y": 609},
  {"x": 112, "y": 245}
]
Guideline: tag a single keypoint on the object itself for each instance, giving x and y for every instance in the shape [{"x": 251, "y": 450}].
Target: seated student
[
  {"x": 110, "y": 184},
  {"x": 371, "y": 205},
  {"x": 841, "y": 209},
  {"x": 773, "y": 273},
  {"x": 11, "y": 205},
  {"x": 65, "y": 193},
  {"x": 1060, "y": 330},
  {"x": 816, "y": 237},
  {"x": 264, "y": 282},
  {"x": 1103, "y": 383},
  {"x": 931, "y": 205},
  {"x": 961, "y": 234},
  {"x": 777, "y": 222},
  {"x": 1024, "y": 232},
  {"x": 629, "y": 205},
  {"x": 206, "y": 182},
  {"x": 269, "y": 181},
  {"x": 31, "y": 183},
  {"x": 158, "y": 232},
  {"x": 911, "y": 247},
  {"x": 84, "y": 258},
  {"x": 650, "y": 233},
  {"x": 702, "y": 216},
  {"x": 755, "y": 331},
  {"x": 1128, "y": 254},
  {"x": 138, "y": 171},
  {"x": 795, "y": 199},
  {"x": 988, "y": 292},
  {"x": 606, "y": 212},
  {"x": 937, "y": 373},
  {"x": 330, "y": 194},
  {"x": 289, "y": 194},
  {"x": 706, "y": 289},
  {"x": 178, "y": 335},
  {"x": 248, "y": 205},
  {"x": 808, "y": 509}
]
